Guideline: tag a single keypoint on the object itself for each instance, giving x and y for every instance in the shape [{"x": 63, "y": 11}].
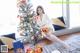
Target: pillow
[
  {"x": 58, "y": 23},
  {"x": 7, "y": 40}
]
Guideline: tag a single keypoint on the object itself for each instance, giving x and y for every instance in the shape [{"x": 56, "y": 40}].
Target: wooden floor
[{"x": 62, "y": 37}]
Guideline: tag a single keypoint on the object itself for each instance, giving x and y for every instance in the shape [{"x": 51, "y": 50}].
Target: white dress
[{"x": 44, "y": 21}]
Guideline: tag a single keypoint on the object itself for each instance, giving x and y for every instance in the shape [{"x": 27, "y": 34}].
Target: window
[
  {"x": 74, "y": 8},
  {"x": 8, "y": 16}
]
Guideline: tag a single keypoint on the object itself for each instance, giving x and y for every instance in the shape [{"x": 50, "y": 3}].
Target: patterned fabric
[{"x": 58, "y": 23}]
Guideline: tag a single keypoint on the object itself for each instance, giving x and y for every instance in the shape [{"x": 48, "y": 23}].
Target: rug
[{"x": 73, "y": 41}]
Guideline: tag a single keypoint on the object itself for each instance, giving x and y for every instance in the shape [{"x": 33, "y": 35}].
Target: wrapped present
[
  {"x": 19, "y": 50},
  {"x": 18, "y": 47},
  {"x": 30, "y": 50},
  {"x": 38, "y": 49}
]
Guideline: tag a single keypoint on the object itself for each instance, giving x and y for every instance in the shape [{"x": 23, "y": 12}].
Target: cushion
[
  {"x": 58, "y": 23},
  {"x": 7, "y": 40}
]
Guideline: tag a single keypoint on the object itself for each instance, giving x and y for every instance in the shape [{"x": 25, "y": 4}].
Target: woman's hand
[{"x": 45, "y": 29}]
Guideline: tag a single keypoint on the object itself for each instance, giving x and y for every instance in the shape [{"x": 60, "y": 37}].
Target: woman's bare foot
[{"x": 65, "y": 45}]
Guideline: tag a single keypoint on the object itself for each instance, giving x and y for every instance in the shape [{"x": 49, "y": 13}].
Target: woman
[{"x": 46, "y": 26}]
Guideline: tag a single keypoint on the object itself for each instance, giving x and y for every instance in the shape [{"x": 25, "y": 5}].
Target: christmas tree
[{"x": 27, "y": 27}]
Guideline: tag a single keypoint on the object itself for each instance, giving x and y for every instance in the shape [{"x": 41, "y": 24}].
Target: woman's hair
[{"x": 40, "y": 8}]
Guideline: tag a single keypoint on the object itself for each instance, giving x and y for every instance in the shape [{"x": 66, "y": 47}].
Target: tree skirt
[{"x": 74, "y": 43}]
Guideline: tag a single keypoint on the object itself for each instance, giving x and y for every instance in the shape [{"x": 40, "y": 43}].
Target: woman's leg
[
  {"x": 48, "y": 33},
  {"x": 53, "y": 38}
]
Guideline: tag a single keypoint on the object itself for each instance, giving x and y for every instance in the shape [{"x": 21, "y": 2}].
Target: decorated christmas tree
[{"x": 27, "y": 27}]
